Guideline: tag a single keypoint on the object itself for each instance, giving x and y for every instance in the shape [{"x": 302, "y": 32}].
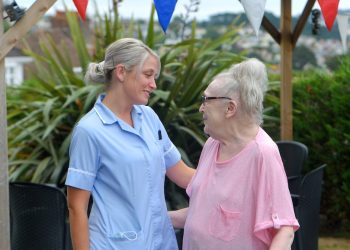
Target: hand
[{"x": 178, "y": 217}]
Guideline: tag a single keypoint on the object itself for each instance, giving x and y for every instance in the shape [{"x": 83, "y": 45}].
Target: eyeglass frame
[{"x": 207, "y": 98}]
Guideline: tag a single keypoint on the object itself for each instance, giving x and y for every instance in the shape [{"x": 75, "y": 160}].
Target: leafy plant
[
  {"x": 321, "y": 121},
  {"x": 43, "y": 111}
]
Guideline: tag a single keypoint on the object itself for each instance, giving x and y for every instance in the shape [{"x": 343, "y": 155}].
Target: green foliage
[
  {"x": 333, "y": 62},
  {"x": 44, "y": 109},
  {"x": 321, "y": 120},
  {"x": 303, "y": 56},
  {"x": 41, "y": 114}
]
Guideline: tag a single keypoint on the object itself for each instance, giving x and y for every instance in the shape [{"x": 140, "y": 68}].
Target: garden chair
[
  {"x": 307, "y": 210},
  {"x": 294, "y": 155},
  {"x": 38, "y": 216}
]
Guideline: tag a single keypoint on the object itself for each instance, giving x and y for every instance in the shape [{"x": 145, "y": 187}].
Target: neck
[
  {"x": 238, "y": 132},
  {"x": 238, "y": 135},
  {"x": 119, "y": 105}
]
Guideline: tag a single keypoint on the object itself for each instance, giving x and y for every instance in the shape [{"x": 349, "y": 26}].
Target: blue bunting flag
[{"x": 165, "y": 10}]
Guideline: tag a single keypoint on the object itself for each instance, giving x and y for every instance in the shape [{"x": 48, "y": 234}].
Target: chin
[
  {"x": 142, "y": 101},
  {"x": 206, "y": 130}
]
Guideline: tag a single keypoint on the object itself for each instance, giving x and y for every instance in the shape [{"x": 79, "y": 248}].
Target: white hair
[
  {"x": 129, "y": 52},
  {"x": 246, "y": 81}
]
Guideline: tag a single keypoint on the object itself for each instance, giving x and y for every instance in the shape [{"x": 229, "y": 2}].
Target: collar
[{"x": 108, "y": 117}]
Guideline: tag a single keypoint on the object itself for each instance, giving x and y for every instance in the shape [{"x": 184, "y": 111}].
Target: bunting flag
[
  {"x": 329, "y": 9},
  {"x": 343, "y": 21},
  {"x": 81, "y": 6},
  {"x": 254, "y": 10},
  {"x": 165, "y": 10}
]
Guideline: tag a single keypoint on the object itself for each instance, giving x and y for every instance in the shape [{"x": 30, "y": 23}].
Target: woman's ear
[
  {"x": 120, "y": 72},
  {"x": 231, "y": 108}
]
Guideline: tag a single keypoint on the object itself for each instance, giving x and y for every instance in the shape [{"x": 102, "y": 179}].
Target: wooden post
[
  {"x": 286, "y": 71},
  {"x": 7, "y": 41},
  {"x": 4, "y": 196}
]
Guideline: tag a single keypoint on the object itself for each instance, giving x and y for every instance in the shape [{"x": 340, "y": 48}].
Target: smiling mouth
[{"x": 148, "y": 92}]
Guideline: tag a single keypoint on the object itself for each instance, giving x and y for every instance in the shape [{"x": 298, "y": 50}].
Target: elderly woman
[{"x": 239, "y": 197}]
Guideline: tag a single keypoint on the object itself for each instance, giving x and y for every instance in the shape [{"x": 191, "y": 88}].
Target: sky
[{"x": 141, "y": 8}]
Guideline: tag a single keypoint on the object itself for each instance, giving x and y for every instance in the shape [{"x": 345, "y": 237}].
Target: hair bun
[{"x": 95, "y": 73}]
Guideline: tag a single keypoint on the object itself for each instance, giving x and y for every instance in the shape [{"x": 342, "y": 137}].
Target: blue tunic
[{"x": 124, "y": 169}]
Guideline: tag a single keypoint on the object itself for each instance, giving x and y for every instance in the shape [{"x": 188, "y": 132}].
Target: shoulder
[
  {"x": 88, "y": 123},
  {"x": 269, "y": 158},
  {"x": 209, "y": 146},
  {"x": 265, "y": 144},
  {"x": 210, "y": 142}
]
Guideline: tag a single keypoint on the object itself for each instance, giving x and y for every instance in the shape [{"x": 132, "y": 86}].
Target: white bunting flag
[
  {"x": 254, "y": 10},
  {"x": 343, "y": 21}
]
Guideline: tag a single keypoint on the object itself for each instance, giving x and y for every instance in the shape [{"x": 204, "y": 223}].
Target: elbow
[{"x": 290, "y": 236}]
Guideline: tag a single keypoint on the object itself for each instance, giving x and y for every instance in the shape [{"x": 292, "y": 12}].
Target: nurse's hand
[{"x": 178, "y": 217}]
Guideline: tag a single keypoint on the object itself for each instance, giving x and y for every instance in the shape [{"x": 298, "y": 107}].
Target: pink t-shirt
[{"x": 236, "y": 204}]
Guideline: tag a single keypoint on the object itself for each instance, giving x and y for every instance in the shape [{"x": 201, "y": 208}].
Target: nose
[
  {"x": 153, "y": 84},
  {"x": 201, "y": 108}
]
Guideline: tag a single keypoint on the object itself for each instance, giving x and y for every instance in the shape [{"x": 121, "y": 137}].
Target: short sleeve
[
  {"x": 274, "y": 203},
  {"x": 170, "y": 153},
  {"x": 83, "y": 162}
]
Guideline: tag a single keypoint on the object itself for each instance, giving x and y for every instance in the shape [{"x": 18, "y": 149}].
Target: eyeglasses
[{"x": 207, "y": 98}]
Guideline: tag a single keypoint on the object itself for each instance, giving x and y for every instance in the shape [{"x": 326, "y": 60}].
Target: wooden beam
[
  {"x": 302, "y": 21},
  {"x": 286, "y": 71},
  {"x": 7, "y": 42},
  {"x": 15, "y": 33},
  {"x": 4, "y": 194},
  {"x": 271, "y": 29}
]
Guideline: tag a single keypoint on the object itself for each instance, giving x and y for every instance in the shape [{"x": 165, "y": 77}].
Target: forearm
[
  {"x": 181, "y": 174},
  {"x": 178, "y": 217},
  {"x": 79, "y": 230},
  {"x": 188, "y": 174},
  {"x": 283, "y": 239},
  {"x": 78, "y": 201}
]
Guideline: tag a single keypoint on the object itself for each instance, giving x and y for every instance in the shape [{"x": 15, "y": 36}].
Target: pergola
[{"x": 284, "y": 36}]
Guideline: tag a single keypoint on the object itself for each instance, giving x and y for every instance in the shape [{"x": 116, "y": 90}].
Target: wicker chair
[{"x": 38, "y": 217}]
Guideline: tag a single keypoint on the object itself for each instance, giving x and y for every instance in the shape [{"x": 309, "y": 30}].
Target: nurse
[{"x": 120, "y": 154}]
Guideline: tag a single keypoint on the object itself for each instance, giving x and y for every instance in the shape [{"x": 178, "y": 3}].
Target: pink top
[{"x": 235, "y": 204}]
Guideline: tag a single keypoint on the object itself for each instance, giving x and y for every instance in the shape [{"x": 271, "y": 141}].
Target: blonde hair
[{"x": 129, "y": 52}]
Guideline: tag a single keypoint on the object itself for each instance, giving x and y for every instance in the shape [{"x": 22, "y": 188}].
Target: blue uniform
[{"x": 124, "y": 169}]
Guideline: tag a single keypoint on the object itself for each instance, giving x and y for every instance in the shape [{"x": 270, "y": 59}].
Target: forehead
[
  {"x": 213, "y": 87},
  {"x": 151, "y": 63}
]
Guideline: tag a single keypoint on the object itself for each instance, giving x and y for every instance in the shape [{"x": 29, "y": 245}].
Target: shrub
[{"x": 321, "y": 120}]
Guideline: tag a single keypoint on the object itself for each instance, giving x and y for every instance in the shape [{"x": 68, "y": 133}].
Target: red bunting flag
[
  {"x": 329, "y": 9},
  {"x": 81, "y": 6}
]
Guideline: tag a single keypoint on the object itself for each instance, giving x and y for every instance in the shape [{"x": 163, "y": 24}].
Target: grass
[{"x": 330, "y": 243}]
